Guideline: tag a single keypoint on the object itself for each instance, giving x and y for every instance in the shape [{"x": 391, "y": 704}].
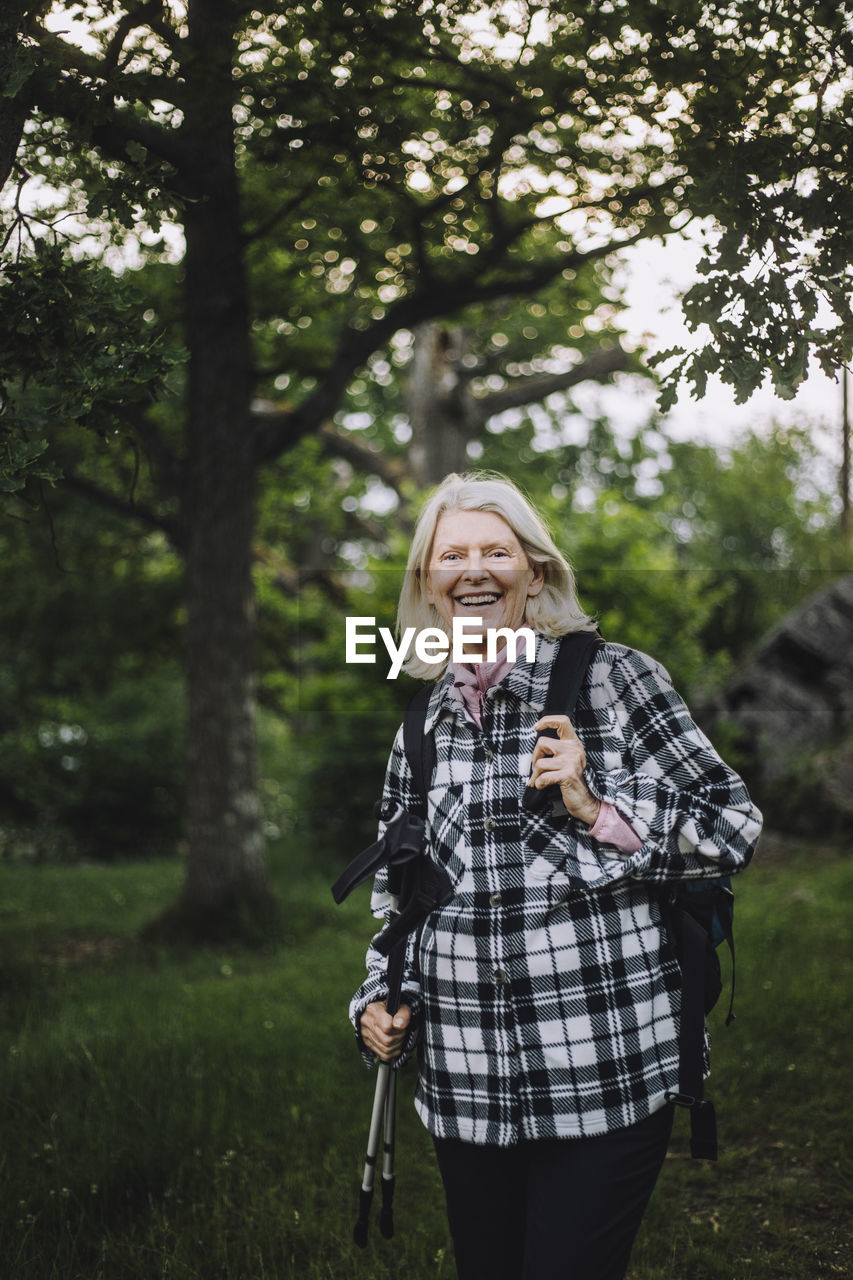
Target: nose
[{"x": 474, "y": 570}]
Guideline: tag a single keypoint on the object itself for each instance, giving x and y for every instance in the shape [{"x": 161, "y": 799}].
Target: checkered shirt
[{"x": 546, "y": 995}]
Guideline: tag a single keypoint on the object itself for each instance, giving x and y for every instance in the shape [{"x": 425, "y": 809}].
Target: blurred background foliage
[
  {"x": 423, "y": 224},
  {"x": 686, "y": 550},
  {"x": 92, "y": 723}
]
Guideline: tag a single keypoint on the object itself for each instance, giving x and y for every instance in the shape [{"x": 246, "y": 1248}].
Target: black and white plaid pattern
[{"x": 546, "y": 995}]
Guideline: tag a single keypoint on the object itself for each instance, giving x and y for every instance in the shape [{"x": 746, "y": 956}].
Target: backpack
[{"x": 698, "y": 915}]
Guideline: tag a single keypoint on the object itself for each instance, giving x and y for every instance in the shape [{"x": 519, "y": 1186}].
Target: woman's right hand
[{"x": 383, "y": 1034}]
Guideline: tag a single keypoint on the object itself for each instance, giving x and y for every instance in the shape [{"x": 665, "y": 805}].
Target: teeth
[{"x": 484, "y": 599}]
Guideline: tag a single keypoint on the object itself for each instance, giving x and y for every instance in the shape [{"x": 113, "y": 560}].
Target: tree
[{"x": 344, "y": 173}]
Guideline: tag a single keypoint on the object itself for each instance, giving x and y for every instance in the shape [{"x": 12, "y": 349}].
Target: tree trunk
[
  {"x": 437, "y": 398},
  {"x": 845, "y": 454},
  {"x": 226, "y": 886},
  {"x": 12, "y": 114}
]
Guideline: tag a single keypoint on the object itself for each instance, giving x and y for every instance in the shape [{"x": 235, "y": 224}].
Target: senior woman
[{"x": 544, "y": 997}]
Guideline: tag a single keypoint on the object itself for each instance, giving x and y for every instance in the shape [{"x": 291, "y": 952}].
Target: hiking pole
[
  {"x": 365, "y": 1194},
  {"x": 384, "y": 1098},
  {"x": 386, "y": 1213},
  {"x": 396, "y": 965},
  {"x": 416, "y": 886}
]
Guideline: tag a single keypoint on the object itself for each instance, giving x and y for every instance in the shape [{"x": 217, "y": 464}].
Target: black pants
[{"x": 556, "y": 1209}]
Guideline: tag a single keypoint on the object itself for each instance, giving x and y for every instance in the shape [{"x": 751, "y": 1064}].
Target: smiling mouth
[{"x": 484, "y": 598}]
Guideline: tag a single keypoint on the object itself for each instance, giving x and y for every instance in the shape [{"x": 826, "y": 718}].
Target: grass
[{"x": 200, "y": 1114}]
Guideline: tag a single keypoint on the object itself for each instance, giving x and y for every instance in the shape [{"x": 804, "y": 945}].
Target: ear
[
  {"x": 426, "y": 587},
  {"x": 537, "y": 582}
]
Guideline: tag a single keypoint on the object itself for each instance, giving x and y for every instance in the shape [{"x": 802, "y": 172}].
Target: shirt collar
[
  {"x": 527, "y": 681},
  {"x": 480, "y": 675}
]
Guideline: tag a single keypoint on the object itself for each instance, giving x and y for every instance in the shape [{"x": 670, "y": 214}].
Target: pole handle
[
  {"x": 359, "y": 1234},
  {"x": 386, "y": 1214}
]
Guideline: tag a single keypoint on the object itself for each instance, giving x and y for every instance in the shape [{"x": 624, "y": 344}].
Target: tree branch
[
  {"x": 277, "y": 433},
  {"x": 349, "y": 448},
  {"x": 125, "y": 507},
  {"x": 538, "y": 386},
  {"x": 51, "y": 89},
  {"x": 288, "y": 207},
  {"x": 67, "y": 57},
  {"x": 146, "y": 14},
  {"x": 168, "y": 464}
]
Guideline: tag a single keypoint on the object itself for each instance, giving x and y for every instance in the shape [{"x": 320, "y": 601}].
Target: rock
[{"x": 785, "y": 720}]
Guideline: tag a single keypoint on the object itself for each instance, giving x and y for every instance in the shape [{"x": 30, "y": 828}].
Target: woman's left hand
[{"x": 562, "y": 760}]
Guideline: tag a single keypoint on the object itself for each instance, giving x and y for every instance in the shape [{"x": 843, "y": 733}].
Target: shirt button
[
  {"x": 500, "y": 976},
  {"x": 490, "y": 755},
  {"x": 495, "y": 899},
  {"x": 489, "y": 824}
]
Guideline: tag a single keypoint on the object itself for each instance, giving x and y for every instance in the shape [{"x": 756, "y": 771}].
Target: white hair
[{"x": 555, "y": 611}]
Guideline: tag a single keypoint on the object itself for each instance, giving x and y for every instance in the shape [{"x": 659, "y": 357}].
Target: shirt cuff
[{"x": 611, "y": 828}]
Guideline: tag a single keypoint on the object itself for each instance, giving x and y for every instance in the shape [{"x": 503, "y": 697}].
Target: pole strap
[
  {"x": 429, "y": 887},
  {"x": 402, "y": 839}
]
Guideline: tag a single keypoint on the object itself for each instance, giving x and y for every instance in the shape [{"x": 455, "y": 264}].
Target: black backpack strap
[
  {"x": 569, "y": 670},
  {"x": 435, "y": 889},
  {"x": 725, "y": 918},
  {"x": 568, "y": 673},
  {"x": 692, "y": 944},
  {"x": 419, "y": 745}
]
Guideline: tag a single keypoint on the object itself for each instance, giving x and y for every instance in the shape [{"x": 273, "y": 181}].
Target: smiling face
[{"x": 478, "y": 569}]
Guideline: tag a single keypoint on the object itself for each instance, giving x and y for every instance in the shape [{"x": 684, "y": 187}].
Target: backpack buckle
[{"x": 682, "y": 1099}]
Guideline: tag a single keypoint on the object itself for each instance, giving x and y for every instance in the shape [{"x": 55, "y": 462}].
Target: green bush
[{"x": 99, "y": 779}]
